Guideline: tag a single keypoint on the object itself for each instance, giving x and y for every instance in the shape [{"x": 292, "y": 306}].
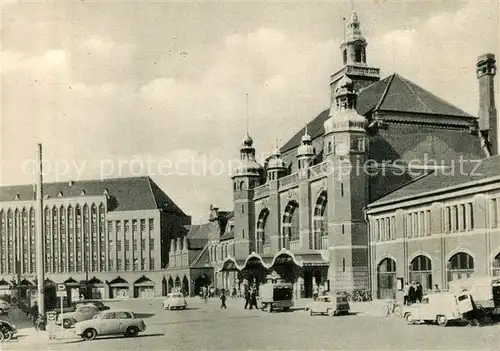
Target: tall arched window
[
  {"x": 496, "y": 265},
  {"x": 386, "y": 278},
  {"x": 421, "y": 271},
  {"x": 262, "y": 237},
  {"x": 291, "y": 232},
  {"x": 460, "y": 266},
  {"x": 319, "y": 239}
]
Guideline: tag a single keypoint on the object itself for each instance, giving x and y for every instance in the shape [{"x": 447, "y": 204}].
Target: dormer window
[
  {"x": 105, "y": 192},
  {"x": 82, "y": 193},
  {"x": 16, "y": 197},
  {"x": 60, "y": 194}
]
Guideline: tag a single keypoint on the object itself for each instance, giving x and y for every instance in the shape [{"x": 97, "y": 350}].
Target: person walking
[
  {"x": 420, "y": 292},
  {"x": 412, "y": 293},
  {"x": 253, "y": 299},
  {"x": 247, "y": 299},
  {"x": 406, "y": 294},
  {"x": 223, "y": 301},
  {"x": 315, "y": 292}
]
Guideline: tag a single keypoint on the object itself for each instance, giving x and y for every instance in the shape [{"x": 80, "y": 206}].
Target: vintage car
[
  {"x": 7, "y": 331},
  {"x": 110, "y": 322},
  {"x": 4, "y": 307},
  {"x": 82, "y": 313},
  {"x": 329, "y": 304},
  {"x": 276, "y": 296},
  {"x": 175, "y": 300},
  {"x": 439, "y": 307}
]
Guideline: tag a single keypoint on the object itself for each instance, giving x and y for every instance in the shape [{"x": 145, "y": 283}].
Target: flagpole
[{"x": 40, "y": 255}]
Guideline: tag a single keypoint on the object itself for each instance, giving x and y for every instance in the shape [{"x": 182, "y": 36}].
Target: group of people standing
[
  {"x": 412, "y": 293},
  {"x": 251, "y": 298}
]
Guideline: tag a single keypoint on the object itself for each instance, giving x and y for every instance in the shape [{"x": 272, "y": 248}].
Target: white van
[{"x": 439, "y": 307}]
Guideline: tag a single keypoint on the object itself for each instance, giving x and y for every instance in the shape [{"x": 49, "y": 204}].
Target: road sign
[
  {"x": 61, "y": 294},
  {"x": 61, "y": 287}
]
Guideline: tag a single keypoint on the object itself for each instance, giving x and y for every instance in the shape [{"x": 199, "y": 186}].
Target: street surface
[{"x": 206, "y": 327}]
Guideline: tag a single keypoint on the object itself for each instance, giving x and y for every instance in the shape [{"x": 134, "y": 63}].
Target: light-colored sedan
[
  {"x": 110, "y": 322},
  {"x": 175, "y": 300}
]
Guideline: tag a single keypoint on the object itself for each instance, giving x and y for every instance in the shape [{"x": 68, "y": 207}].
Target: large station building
[{"x": 303, "y": 214}]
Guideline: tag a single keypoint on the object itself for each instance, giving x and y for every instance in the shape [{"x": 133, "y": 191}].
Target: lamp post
[{"x": 40, "y": 254}]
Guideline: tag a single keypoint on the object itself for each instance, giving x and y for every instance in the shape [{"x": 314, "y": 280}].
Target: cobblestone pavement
[{"x": 207, "y": 327}]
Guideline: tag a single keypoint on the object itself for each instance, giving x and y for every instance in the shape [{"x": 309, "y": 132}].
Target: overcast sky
[{"x": 103, "y": 84}]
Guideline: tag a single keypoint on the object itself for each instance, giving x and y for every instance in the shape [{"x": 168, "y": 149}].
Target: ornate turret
[
  {"x": 248, "y": 165},
  {"x": 305, "y": 150},
  {"x": 353, "y": 50},
  {"x": 343, "y": 115},
  {"x": 275, "y": 166}
]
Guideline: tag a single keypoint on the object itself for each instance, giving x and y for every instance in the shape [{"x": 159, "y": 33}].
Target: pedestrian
[
  {"x": 253, "y": 299},
  {"x": 315, "y": 292},
  {"x": 223, "y": 301},
  {"x": 247, "y": 299},
  {"x": 406, "y": 294},
  {"x": 420, "y": 293},
  {"x": 34, "y": 313},
  {"x": 412, "y": 293},
  {"x": 436, "y": 288}
]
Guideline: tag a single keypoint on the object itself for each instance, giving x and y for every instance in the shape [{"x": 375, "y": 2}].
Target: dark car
[
  {"x": 7, "y": 330},
  {"x": 72, "y": 308}
]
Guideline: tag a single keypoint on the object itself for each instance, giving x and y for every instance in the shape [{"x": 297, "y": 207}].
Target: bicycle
[{"x": 392, "y": 307}]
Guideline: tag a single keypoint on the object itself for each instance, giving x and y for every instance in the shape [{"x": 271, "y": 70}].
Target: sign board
[
  {"x": 62, "y": 293},
  {"x": 61, "y": 287}
]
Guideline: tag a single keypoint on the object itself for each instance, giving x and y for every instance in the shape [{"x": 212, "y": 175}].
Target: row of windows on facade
[
  {"x": 220, "y": 252},
  {"x": 17, "y": 224},
  {"x": 62, "y": 265},
  {"x": 461, "y": 261},
  {"x": 457, "y": 218}
]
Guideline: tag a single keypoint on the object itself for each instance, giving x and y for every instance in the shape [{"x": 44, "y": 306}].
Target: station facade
[{"x": 302, "y": 214}]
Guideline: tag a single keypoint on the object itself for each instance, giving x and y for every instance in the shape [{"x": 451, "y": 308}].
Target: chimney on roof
[{"x": 488, "y": 125}]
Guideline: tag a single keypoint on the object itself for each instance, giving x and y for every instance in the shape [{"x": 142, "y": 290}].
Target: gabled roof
[
  {"x": 127, "y": 194},
  {"x": 461, "y": 175},
  {"x": 226, "y": 214},
  {"x": 202, "y": 259},
  {"x": 197, "y": 235},
  {"x": 391, "y": 94}
]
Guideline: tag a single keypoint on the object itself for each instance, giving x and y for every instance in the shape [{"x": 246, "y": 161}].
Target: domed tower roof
[
  {"x": 306, "y": 148},
  {"x": 248, "y": 166},
  {"x": 276, "y": 162},
  {"x": 343, "y": 114}
]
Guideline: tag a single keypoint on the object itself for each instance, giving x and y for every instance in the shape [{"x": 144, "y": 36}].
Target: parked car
[
  {"x": 439, "y": 307},
  {"x": 4, "y": 307},
  {"x": 73, "y": 306},
  {"x": 110, "y": 322},
  {"x": 7, "y": 331},
  {"x": 485, "y": 291},
  {"x": 82, "y": 313},
  {"x": 329, "y": 304},
  {"x": 175, "y": 300}
]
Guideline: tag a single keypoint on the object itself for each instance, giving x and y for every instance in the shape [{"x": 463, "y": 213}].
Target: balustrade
[
  {"x": 288, "y": 180},
  {"x": 261, "y": 191}
]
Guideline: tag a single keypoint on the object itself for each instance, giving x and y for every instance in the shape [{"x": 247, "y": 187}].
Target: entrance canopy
[
  {"x": 231, "y": 265},
  {"x": 254, "y": 260},
  {"x": 285, "y": 257},
  {"x": 144, "y": 282},
  {"x": 118, "y": 283},
  {"x": 4, "y": 284}
]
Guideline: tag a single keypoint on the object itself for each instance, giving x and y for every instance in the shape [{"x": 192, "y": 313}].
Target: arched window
[
  {"x": 421, "y": 271},
  {"x": 345, "y": 56},
  {"x": 357, "y": 51},
  {"x": 291, "y": 233},
  {"x": 460, "y": 266},
  {"x": 496, "y": 265},
  {"x": 319, "y": 240},
  {"x": 242, "y": 183},
  {"x": 262, "y": 236},
  {"x": 386, "y": 278}
]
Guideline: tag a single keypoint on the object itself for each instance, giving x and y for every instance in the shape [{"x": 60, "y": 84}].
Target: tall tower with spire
[
  {"x": 354, "y": 58},
  {"x": 345, "y": 148},
  {"x": 248, "y": 175}
]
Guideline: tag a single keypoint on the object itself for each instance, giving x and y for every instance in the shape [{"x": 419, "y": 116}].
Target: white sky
[{"x": 104, "y": 83}]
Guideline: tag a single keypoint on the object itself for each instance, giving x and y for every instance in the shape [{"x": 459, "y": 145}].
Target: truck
[
  {"x": 485, "y": 292},
  {"x": 277, "y": 295}
]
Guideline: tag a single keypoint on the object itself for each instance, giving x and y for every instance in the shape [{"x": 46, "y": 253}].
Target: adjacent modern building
[{"x": 112, "y": 236}]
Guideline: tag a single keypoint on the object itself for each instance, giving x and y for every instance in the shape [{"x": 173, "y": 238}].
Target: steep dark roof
[
  {"x": 197, "y": 235},
  {"x": 202, "y": 259},
  {"x": 226, "y": 214},
  {"x": 472, "y": 171},
  {"x": 391, "y": 94},
  {"x": 127, "y": 194}
]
